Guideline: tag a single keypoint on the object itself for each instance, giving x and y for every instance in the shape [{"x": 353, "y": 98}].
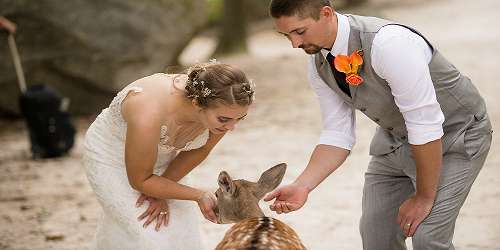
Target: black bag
[{"x": 50, "y": 129}]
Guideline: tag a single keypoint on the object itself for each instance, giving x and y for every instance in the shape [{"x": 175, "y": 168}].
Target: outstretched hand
[{"x": 288, "y": 198}]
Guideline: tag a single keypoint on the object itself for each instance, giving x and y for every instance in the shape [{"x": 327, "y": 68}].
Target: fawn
[{"x": 238, "y": 202}]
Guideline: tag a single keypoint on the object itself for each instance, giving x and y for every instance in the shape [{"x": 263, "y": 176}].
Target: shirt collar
[{"x": 341, "y": 43}]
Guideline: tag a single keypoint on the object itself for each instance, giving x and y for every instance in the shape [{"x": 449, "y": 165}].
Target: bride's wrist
[{"x": 198, "y": 195}]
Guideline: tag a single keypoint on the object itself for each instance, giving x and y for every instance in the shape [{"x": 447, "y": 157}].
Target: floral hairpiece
[
  {"x": 249, "y": 88},
  {"x": 204, "y": 90}
]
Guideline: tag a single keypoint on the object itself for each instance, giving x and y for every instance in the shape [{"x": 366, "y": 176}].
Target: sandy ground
[{"x": 49, "y": 204}]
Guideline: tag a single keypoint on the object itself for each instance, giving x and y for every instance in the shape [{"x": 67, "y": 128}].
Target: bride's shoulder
[
  {"x": 158, "y": 91},
  {"x": 161, "y": 80},
  {"x": 151, "y": 88},
  {"x": 157, "y": 77}
]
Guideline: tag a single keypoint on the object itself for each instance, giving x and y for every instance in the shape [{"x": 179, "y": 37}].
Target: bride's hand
[
  {"x": 158, "y": 209},
  {"x": 207, "y": 203}
]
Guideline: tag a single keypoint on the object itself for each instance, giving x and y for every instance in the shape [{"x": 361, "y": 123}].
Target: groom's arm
[
  {"x": 337, "y": 136},
  {"x": 402, "y": 58},
  {"x": 428, "y": 160},
  {"x": 324, "y": 160}
]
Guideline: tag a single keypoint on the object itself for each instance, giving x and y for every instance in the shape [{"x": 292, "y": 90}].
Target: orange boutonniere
[{"x": 350, "y": 66}]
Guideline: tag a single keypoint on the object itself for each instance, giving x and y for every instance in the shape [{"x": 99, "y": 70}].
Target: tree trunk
[{"x": 233, "y": 29}]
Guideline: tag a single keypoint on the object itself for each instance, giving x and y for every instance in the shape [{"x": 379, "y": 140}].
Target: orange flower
[{"x": 350, "y": 66}]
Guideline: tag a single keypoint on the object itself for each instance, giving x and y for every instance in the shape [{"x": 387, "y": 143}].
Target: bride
[{"x": 142, "y": 147}]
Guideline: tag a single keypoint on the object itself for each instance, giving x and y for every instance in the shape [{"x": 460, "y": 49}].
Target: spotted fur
[{"x": 260, "y": 233}]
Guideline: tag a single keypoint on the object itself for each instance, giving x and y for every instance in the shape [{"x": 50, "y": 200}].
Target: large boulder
[{"x": 88, "y": 50}]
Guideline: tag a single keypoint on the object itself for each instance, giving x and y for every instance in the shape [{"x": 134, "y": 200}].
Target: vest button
[
  {"x": 376, "y": 120},
  {"x": 392, "y": 147},
  {"x": 362, "y": 109},
  {"x": 390, "y": 128},
  {"x": 403, "y": 137}
]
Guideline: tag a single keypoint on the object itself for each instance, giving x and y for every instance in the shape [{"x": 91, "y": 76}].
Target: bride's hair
[{"x": 212, "y": 83}]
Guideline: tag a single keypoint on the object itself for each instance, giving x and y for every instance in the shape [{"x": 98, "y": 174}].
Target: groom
[{"x": 433, "y": 131}]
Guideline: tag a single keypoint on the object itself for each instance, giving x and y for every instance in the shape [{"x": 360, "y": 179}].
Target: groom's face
[{"x": 306, "y": 33}]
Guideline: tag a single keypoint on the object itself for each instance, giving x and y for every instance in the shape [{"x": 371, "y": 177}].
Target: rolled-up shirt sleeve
[
  {"x": 401, "y": 57},
  {"x": 338, "y": 118}
]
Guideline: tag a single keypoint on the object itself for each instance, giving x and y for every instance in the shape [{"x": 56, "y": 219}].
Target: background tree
[
  {"x": 232, "y": 34},
  {"x": 234, "y": 16}
]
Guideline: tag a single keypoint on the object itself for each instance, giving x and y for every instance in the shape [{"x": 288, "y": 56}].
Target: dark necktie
[{"x": 339, "y": 76}]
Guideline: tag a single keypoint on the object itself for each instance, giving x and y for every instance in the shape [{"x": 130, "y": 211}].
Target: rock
[{"x": 88, "y": 50}]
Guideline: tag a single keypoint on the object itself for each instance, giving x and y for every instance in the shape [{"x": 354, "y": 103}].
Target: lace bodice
[
  {"x": 194, "y": 144},
  {"x": 113, "y": 113}
]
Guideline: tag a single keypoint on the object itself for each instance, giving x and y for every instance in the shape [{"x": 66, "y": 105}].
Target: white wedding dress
[{"x": 105, "y": 168}]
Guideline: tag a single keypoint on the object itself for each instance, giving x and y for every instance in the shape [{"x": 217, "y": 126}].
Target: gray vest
[{"x": 459, "y": 99}]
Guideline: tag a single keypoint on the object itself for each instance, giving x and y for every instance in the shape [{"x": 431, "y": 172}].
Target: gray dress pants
[{"x": 390, "y": 180}]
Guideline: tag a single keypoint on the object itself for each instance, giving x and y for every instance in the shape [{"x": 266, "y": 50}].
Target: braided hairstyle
[{"x": 214, "y": 83}]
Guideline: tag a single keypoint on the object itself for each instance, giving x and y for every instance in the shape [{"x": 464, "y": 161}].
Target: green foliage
[{"x": 215, "y": 11}]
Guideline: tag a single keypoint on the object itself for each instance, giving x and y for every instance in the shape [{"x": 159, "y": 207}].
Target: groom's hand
[
  {"x": 288, "y": 198},
  {"x": 158, "y": 209}
]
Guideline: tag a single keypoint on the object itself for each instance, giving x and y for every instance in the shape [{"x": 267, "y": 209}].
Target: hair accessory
[
  {"x": 206, "y": 92},
  {"x": 249, "y": 88}
]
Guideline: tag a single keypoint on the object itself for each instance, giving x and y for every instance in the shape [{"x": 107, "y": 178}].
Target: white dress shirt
[{"x": 400, "y": 57}]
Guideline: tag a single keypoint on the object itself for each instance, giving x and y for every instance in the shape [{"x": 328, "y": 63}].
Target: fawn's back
[{"x": 260, "y": 233}]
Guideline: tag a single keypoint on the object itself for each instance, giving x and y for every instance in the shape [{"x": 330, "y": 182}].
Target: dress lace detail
[
  {"x": 116, "y": 103},
  {"x": 104, "y": 163},
  {"x": 197, "y": 142}
]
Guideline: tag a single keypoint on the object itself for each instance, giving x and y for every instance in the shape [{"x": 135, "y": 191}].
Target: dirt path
[{"x": 49, "y": 204}]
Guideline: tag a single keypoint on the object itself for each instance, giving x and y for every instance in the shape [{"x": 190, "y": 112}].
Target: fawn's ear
[
  {"x": 269, "y": 180},
  {"x": 226, "y": 183}
]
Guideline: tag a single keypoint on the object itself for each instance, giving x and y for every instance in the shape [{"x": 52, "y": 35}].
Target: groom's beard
[{"x": 310, "y": 49}]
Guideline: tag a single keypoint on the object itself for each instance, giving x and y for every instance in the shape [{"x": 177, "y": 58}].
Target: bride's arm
[
  {"x": 143, "y": 132},
  {"x": 186, "y": 161}
]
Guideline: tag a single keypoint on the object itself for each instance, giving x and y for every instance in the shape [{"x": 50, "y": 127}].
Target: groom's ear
[{"x": 270, "y": 179}]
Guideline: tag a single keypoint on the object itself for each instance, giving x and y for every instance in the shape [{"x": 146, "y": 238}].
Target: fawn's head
[{"x": 239, "y": 199}]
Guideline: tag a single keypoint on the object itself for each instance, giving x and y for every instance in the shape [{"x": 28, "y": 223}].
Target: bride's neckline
[
  {"x": 176, "y": 90},
  {"x": 173, "y": 125}
]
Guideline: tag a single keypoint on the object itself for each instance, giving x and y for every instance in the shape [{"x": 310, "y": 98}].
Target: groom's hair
[{"x": 300, "y": 8}]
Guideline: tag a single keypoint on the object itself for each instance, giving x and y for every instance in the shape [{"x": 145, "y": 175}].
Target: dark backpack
[{"x": 50, "y": 129}]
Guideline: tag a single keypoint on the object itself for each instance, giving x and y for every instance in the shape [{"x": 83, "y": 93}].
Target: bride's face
[{"x": 222, "y": 118}]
